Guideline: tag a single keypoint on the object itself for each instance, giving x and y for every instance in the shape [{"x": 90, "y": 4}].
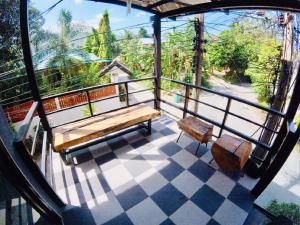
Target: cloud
[{"x": 140, "y": 14}]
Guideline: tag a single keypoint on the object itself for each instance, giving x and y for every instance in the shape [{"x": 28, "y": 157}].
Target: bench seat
[{"x": 91, "y": 128}]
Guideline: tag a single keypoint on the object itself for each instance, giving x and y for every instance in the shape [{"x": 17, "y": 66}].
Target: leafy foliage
[
  {"x": 290, "y": 210},
  {"x": 232, "y": 51}
]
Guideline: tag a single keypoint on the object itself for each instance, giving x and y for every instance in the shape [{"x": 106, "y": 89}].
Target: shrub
[{"x": 289, "y": 210}]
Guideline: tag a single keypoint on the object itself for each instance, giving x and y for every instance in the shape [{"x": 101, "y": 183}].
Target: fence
[{"x": 18, "y": 113}]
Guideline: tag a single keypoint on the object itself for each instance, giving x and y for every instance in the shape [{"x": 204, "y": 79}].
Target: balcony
[{"x": 141, "y": 179}]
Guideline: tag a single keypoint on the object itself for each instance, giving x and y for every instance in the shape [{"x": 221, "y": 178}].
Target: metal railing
[
  {"x": 185, "y": 109},
  {"x": 223, "y": 125},
  {"x": 89, "y": 102}
]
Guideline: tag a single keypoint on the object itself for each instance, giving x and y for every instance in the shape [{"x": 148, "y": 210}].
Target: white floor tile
[
  {"x": 151, "y": 181},
  {"x": 187, "y": 183},
  {"x": 146, "y": 212},
  {"x": 184, "y": 158},
  {"x": 221, "y": 183},
  {"x": 106, "y": 208},
  {"x": 117, "y": 176},
  {"x": 190, "y": 214},
  {"x": 229, "y": 214}
]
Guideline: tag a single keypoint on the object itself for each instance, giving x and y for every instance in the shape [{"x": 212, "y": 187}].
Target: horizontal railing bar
[
  {"x": 269, "y": 110},
  {"x": 192, "y": 113},
  {"x": 34, "y": 141},
  {"x": 204, "y": 103},
  {"x": 220, "y": 125},
  {"x": 138, "y": 91},
  {"x": 26, "y": 122},
  {"x": 96, "y": 87},
  {"x": 67, "y": 108},
  {"x": 72, "y": 121},
  {"x": 77, "y": 120},
  {"x": 253, "y": 122},
  {"x": 44, "y": 152},
  {"x": 107, "y": 98},
  {"x": 172, "y": 114},
  {"x": 207, "y": 104}
]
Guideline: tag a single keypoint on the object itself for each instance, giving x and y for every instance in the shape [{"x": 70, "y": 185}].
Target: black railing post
[
  {"x": 225, "y": 116},
  {"x": 29, "y": 66},
  {"x": 284, "y": 151},
  {"x": 89, "y": 101},
  {"x": 157, "y": 57},
  {"x": 186, "y": 100},
  {"x": 127, "y": 95}
]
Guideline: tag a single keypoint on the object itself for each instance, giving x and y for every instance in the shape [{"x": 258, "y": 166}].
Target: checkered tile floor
[{"x": 151, "y": 180}]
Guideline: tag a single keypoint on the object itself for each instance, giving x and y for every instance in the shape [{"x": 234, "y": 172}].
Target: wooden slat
[{"x": 92, "y": 128}]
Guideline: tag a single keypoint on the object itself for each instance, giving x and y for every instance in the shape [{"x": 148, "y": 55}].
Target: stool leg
[
  {"x": 197, "y": 148},
  {"x": 179, "y": 136}
]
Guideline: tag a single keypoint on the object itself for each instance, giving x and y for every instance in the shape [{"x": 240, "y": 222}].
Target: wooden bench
[
  {"x": 197, "y": 129},
  {"x": 231, "y": 153},
  {"x": 89, "y": 129}
]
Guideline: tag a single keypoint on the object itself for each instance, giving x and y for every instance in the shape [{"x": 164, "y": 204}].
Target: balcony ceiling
[{"x": 173, "y": 8}]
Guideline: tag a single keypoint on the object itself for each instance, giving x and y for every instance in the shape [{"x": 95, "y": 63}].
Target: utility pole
[
  {"x": 198, "y": 57},
  {"x": 283, "y": 84}
]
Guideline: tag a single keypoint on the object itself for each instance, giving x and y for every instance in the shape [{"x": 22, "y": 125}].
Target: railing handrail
[
  {"x": 95, "y": 87},
  {"x": 269, "y": 110}
]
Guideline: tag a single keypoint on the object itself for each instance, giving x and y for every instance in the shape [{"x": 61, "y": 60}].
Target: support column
[
  {"x": 157, "y": 58},
  {"x": 29, "y": 66}
]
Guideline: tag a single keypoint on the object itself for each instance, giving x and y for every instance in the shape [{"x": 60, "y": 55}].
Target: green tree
[
  {"x": 232, "y": 51},
  {"x": 143, "y": 33},
  {"x": 13, "y": 83},
  {"x": 105, "y": 38}
]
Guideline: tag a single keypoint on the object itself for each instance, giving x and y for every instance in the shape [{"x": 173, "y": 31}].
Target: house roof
[
  {"x": 174, "y": 8},
  {"x": 115, "y": 63},
  {"x": 82, "y": 56}
]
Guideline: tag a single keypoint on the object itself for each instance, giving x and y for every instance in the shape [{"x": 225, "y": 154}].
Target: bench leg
[
  {"x": 197, "y": 148},
  {"x": 179, "y": 136},
  {"x": 149, "y": 127},
  {"x": 65, "y": 158}
]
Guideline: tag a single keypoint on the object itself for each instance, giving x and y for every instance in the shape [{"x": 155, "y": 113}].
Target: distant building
[{"x": 117, "y": 71}]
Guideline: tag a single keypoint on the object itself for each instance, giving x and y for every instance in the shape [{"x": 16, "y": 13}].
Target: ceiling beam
[
  {"x": 135, "y": 6},
  {"x": 292, "y": 5},
  {"x": 159, "y": 3}
]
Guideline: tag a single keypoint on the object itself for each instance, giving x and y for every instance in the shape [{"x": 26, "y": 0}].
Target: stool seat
[
  {"x": 231, "y": 153},
  {"x": 196, "y": 128}
]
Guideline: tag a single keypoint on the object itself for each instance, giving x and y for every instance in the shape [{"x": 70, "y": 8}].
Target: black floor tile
[
  {"x": 208, "y": 200},
  {"x": 202, "y": 170},
  {"x": 241, "y": 197},
  {"x": 171, "y": 170},
  {"x": 105, "y": 158},
  {"x": 167, "y": 132},
  {"x": 139, "y": 143},
  {"x": 122, "y": 219},
  {"x": 167, "y": 222},
  {"x": 212, "y": 222},
  {"x": 117, "y": 143},
  {"x": 131, "y": 197},
  {"x": 170, "y": 148},
  {"x": 83, "y": 157},
  {"x": 169, "y": 199}
]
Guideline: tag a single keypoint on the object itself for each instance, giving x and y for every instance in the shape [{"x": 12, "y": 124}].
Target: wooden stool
[
  {"x": 231, "y": 153},
  {"x": 197, "y": 129}
]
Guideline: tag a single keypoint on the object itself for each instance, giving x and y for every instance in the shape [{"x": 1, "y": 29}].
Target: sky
[{"x": 89, "y": 14}]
